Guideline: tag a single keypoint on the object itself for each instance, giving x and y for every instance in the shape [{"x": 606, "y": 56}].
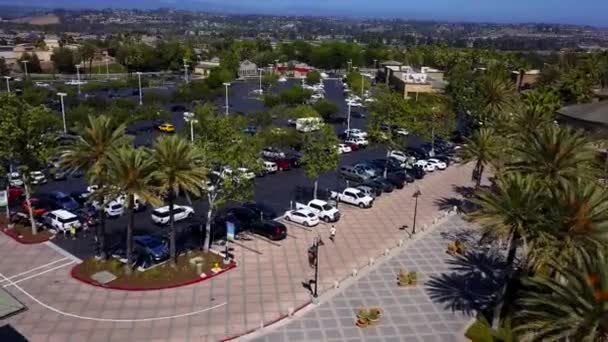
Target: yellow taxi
[{"x": 166, "y": 128}]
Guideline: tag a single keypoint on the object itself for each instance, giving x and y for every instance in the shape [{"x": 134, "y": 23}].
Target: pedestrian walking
[
  {"x": 332, "y": 233},
  {"x": 73, "y": 232}
]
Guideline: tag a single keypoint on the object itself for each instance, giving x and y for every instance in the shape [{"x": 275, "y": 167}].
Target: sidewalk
[{"x": 409, "y": 312}]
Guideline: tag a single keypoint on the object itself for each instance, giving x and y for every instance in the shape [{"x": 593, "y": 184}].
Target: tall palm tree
[
  {"x": 498, "y": 97},
  {"x": 90, "y": 153},
  {"x": 178, "y": 168},
  {"x": 481, "y": 148},
  {"x": 131, "y": 171},
  {"x": 571, "y": 306},
  {"x": 554, "y": 154}
]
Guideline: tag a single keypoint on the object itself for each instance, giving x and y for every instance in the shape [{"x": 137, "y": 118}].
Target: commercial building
[{"x": 411, "y": 82}]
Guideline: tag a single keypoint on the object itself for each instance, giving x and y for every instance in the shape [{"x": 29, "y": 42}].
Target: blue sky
[{"x": 591, "y": 12}]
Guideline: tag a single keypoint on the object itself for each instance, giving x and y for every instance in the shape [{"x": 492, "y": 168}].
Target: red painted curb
[
  {"x": 10, "y": 233},
  {"x": 280, "y": 318},
  {"x": 133, "y": 289}
]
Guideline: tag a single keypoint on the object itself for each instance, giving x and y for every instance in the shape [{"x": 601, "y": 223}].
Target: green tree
[
  {"x": 64, "y": 60},
  {"x": 26, "y": 138},
  {"x": 33, "y": 63},
  {"x": 571, "y": 305},
  {"x": 269, "y": 80},
  {"x": 326, "y": 109},
  {"x": 295, "y": 95},
  {"x": 91, "y": 153},
  {"x": 87, "y": 52},
  {"x": 179, "y": 167},
  {"x": 132, "y": 173},
  {"x": 4, "y": 70},
  {"x": 481, "y": 148},
  {"x": 357, "y": 82},
  {"x": 313, "y": 77},
  {"x": 320, "y": 154}
]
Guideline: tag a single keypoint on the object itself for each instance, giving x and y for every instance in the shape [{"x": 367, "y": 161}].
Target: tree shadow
[
  {"x": 464, "y": 191},
  {"x": 446, "y": 203},
  {"x": 472, "y": 285}
]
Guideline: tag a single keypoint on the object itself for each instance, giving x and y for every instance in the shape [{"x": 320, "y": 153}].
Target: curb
[
  {"x": 10, "y": 233},
  {"x": 138, "y": 289}
]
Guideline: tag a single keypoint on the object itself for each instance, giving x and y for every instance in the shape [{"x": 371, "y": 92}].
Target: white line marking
[
  {"x": 62, "y": 251},
  {"x": 37, "y": 274},
  {"x": 34, "y": 269},
  {"x": 108, "y": 319}
]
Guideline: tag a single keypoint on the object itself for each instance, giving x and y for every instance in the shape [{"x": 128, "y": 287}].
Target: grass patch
[
  {"x": 159, "y": 277},
  {"x": 23, "y": 233}
]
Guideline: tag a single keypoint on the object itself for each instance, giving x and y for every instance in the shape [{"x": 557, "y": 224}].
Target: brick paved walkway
[
  {"x": 265, "y": 286},
  {"x": 409, "y": 313}
]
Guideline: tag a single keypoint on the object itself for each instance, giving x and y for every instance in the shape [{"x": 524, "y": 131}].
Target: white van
[
  {"x": 62, "y": 220},
  {"x": 306, "y": 125}
]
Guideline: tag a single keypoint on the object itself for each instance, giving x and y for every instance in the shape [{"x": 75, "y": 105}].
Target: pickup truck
[
  {"x": 322, "y": 209},
  {"x": 353, "y": 196}
]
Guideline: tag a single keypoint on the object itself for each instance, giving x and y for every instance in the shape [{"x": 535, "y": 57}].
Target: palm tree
[
  {"x": 497, "y": 95},
  {"x": 555, "y": 155},
  {"x": 571, "y": 306},
  {"x": 481, "y": 147},
  {"x": 178, "y": 168},
  {"x": 90, "y": 153},
  {"x": 132, "y": 173}
]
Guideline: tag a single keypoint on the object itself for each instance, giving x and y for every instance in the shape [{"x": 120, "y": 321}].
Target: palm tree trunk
[
  {"x": 316, "y": 186},
  {"x": 101, "y": 237},
  {"x": 30, "y": 212},
  {"x": 512, "y": 248},
  {"x": 172, "y": 249},
  {"x": 128, "y": 269},
  {"x": 8, "y": 207},
  {"x": 207, "y": 243}
]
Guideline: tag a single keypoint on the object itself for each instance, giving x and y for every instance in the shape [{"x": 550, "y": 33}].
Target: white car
[
  {"x": 425, "y": 165},
  {"x": 37, "y": 177},
  {"x": 270, "y": 167},
  {"x": 245, "y": 173},
  {"x": 14, "y": 179},
  {"x": 438, "y": 164},
  {"x": 354, "y": 104},
  {"x": 302, "y": 216},
  {"x": 398, "y": 156},
  {"x": 402, "y": 131},
  {"x": 357, "y": 141},
  {"x": 114, "y": 209},
  {"x": 62, "y": 220},
  {"x": 180, "y": 212},
  {"x": 343, "y": 148},
  {"x": 282, "y": 79},
  {"x": 355, "y": 132}
]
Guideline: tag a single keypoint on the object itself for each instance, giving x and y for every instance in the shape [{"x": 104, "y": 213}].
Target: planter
[{"x": 362, "y": 323}]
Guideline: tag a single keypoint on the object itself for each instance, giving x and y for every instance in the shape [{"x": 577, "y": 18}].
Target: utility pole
[
  {"x": 25, "y": 67},
  {"x": 348, "y": 123},
  {"x": 260, "y": 70},
  {"x": 362, "y": 84},
  {"x": 78, "y": 66},
  {"x": 65, "y": 127},
  {"x": 8, "y": 83},
  {"x": 107, "y": 68},
  {"x": 227, "y": 84},
  {"x": 189, "y": 117},
  {"x": 186, "y": 71}
]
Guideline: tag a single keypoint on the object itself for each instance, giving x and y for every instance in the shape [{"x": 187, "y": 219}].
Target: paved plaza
[
  {"x": 409, "y": 314},
  {"x": 266, "y": 285}
]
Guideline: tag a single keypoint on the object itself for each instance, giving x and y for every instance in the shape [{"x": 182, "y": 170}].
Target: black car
[
  {"x": 88, "y": 215},
  {"x": 416, "y": 171},
  {"x": 262, "y": 210},
  {"x": 178, "y": 108},
  {"x": 241, "y": 217},
  {"x": 59, "y": 175},
  {"x": 270, "y": 229},
  {"x": 396, "y": 179},
  {"x": 80, "y": 196},
  {"x": 379, "y": 184},
  {"x": 392, "y": 165}
]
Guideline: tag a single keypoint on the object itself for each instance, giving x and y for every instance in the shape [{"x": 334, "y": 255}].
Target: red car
[
  {"x": 14, "y": 193},
  {"x": 353, "y": 146},
  {"x": 283, "y": 164},
  {"x": 39, "y": 207}
]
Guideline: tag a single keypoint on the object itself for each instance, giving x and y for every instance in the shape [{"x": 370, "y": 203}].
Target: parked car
[
  {"x": 39, "y": 206},
  {"x": 88, "y": 215},
  {"x": 80, "y": 196},
  {"x": 270, "y": 229},
  {"x": 367, "y": 190},
  {"x": 353, "y": 174},
  {"x": 261, "y": 209},
  {"x": 59, "y": 174},
  {"x": 114, "y": 209},
  {"x": 354, "y": 133},
  {"x": 437, "y": 164},
  {"x": 61, "y": 220},
  {"x": 37, "y": 177},
  {"x": 157, "y": 248},
  {"x": 283, "y": 164},
  {"x": 361, "y": 142},
  {"x": 14, "y": 179},
  {"x": 371, "y": 170},
  {"x": 304, "y": 217},
  {"x": 180, "y": 212},
  {"x": 379, "y": 183},
  {"x": 272, "y": 153},
  {"x": 166, "y": 128},
  {"x": 399, "y": 156},
  {"x": 322, "y": 209},
  {"x": 353, "y": 196},
  {"x": 343, "y": 148},
  {"x": 270, "y": 167},
  {"x": 62, "y": 200},
  {"x": 14, "y": 193}
]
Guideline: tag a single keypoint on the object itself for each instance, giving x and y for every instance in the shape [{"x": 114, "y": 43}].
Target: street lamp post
[
  {"x": 350, "y": 63},
  {"x": 415, "y": 195},
  {"x": 65, "y": 127},
  {"x": 189, "y": 117},
  {"x": 348, "y": 123},
  {"x": 362, "y": 84},
  {"x": 78, "y": 76},
  {"x": 432, "y": 153},
  {"x": 227, "y": 84},
  {"x": 375, "y": 64},
  {"x": 8, "y": 83},
  {"x": 260, "y": 70},
  {"x": 140, "y": 93},
  {"x": 186, "y": 71},
  {"x": 25, "y": 67},
  {"x": 107, "y": 68}
]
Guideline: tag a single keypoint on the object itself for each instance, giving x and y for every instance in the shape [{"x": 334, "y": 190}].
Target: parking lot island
[{"x": 23, "y": 234}]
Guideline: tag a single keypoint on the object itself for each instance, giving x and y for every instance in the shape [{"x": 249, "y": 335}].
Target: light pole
[
  {"x": 107, "y": 68},
  {"x": 189, "y": 117},
  {"x": 25, "y": 67},
  {"x": 432, "y": 153},
  {"x": 348, "y": 123},
  {"x": 350, "y": 63},
  {"x": 65, "y": 127},
  {"x": 139, "y": 82},
  {"x": 8, "y": 83},
  {"x": 226, "y": 84},
  {"x": 415, "y": 195},
  {"x": 260, "y": 70},
  {"x": 375, "y": 64},
  {"x": 186, "y": 71},
  {"x": 78, "y": 76},
  {"x": 362, "y": 84},
  {"x": 276, "y": 65}
]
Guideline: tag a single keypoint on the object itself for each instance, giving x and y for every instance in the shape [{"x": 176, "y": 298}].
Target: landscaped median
[
  {"x": 191, "y": 268},
  {"x": 23, "y": 234}
]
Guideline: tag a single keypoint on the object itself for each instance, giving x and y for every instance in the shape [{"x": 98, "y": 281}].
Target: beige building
[
  {"x": 412, "y": 82},
  {"x": 525, "y": 79},
  {"x": 203, "y": 68}
]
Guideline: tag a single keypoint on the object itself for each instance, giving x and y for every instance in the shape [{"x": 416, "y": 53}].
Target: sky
[{"x": 585, "y": 12}]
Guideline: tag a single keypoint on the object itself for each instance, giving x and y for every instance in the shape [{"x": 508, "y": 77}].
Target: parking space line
[
  {"x": 34, "y": 269},
  {"x": 247, "y": 248},
  {"x": 107, "y": 319},
  {"x": 268, "y": 240},
  {"x": 11, "y": 283}
]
